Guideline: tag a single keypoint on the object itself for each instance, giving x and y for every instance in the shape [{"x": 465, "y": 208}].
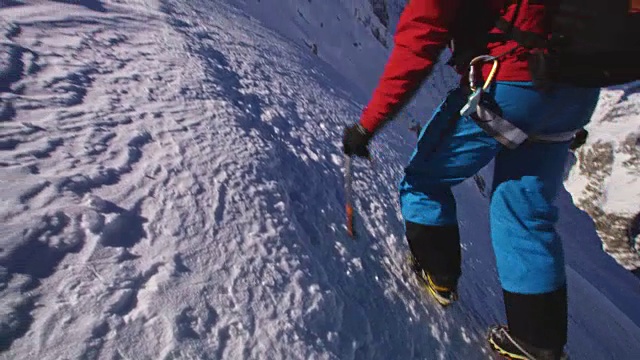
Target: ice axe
[{"x": 348, "y": 196}]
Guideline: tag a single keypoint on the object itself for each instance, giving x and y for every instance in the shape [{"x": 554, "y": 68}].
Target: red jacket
[{"x": 422, "y": 33}]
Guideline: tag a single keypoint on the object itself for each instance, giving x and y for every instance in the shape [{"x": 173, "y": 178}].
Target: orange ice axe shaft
[{"x": 348, "y": 196}]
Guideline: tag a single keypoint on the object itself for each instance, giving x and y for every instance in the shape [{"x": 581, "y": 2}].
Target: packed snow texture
[{"x": 172, "y": 189}]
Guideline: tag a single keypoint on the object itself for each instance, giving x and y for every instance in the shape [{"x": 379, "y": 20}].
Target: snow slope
[
  {"x": 172, "y": 189},
  {"x": 353, "y": 38},
  {"x": 344, "y": 33}
]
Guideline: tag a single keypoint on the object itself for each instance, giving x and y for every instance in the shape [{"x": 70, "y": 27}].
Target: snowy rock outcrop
[{"x": 605, "y": 178}]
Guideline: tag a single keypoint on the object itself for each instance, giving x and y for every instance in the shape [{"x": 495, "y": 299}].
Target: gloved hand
[{"x": 356, "y": 141}]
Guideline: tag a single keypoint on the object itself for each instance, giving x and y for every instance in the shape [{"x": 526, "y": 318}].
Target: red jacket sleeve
[{"x": 421, "y": 34}]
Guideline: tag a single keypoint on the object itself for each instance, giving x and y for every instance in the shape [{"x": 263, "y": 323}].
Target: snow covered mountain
[
  {"x": 352, "y": 34},
  {"x": 171, "y": 188},
  {"x": 354, "y": 37},
  {"x": 605, "y": 174}
]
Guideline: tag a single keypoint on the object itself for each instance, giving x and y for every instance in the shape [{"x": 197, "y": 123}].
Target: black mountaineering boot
[
  {"x": 506, "y": 345},
  {"x": 537, "y": 327},
  {"x": 445, "y": 296},
  {"x": 436, "y": 259}
]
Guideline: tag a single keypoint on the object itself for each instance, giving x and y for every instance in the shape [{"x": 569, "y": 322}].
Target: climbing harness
[{"x": 495, "y": 125}]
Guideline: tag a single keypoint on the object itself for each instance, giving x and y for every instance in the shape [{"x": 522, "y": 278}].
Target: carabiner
[{"x": 472, "y": 72}]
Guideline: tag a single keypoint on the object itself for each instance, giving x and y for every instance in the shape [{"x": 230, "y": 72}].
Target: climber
[{"x": 516, "y": 108}]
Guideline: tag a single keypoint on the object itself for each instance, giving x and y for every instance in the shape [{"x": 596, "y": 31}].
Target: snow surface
[{"x": 172, "y": 189}]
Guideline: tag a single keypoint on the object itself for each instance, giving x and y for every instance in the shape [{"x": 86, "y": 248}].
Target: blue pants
[{"x": 452, "y": 148}]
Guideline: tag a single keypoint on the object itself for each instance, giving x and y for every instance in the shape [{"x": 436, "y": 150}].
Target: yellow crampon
[
  {"x": 432, "y": 288},
  {"x": 505, "y": 353}
]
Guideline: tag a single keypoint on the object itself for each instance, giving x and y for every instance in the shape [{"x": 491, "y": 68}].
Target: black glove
[
  {"x": 579, "y": 139},
  {"x": 356, "y": 141}
]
